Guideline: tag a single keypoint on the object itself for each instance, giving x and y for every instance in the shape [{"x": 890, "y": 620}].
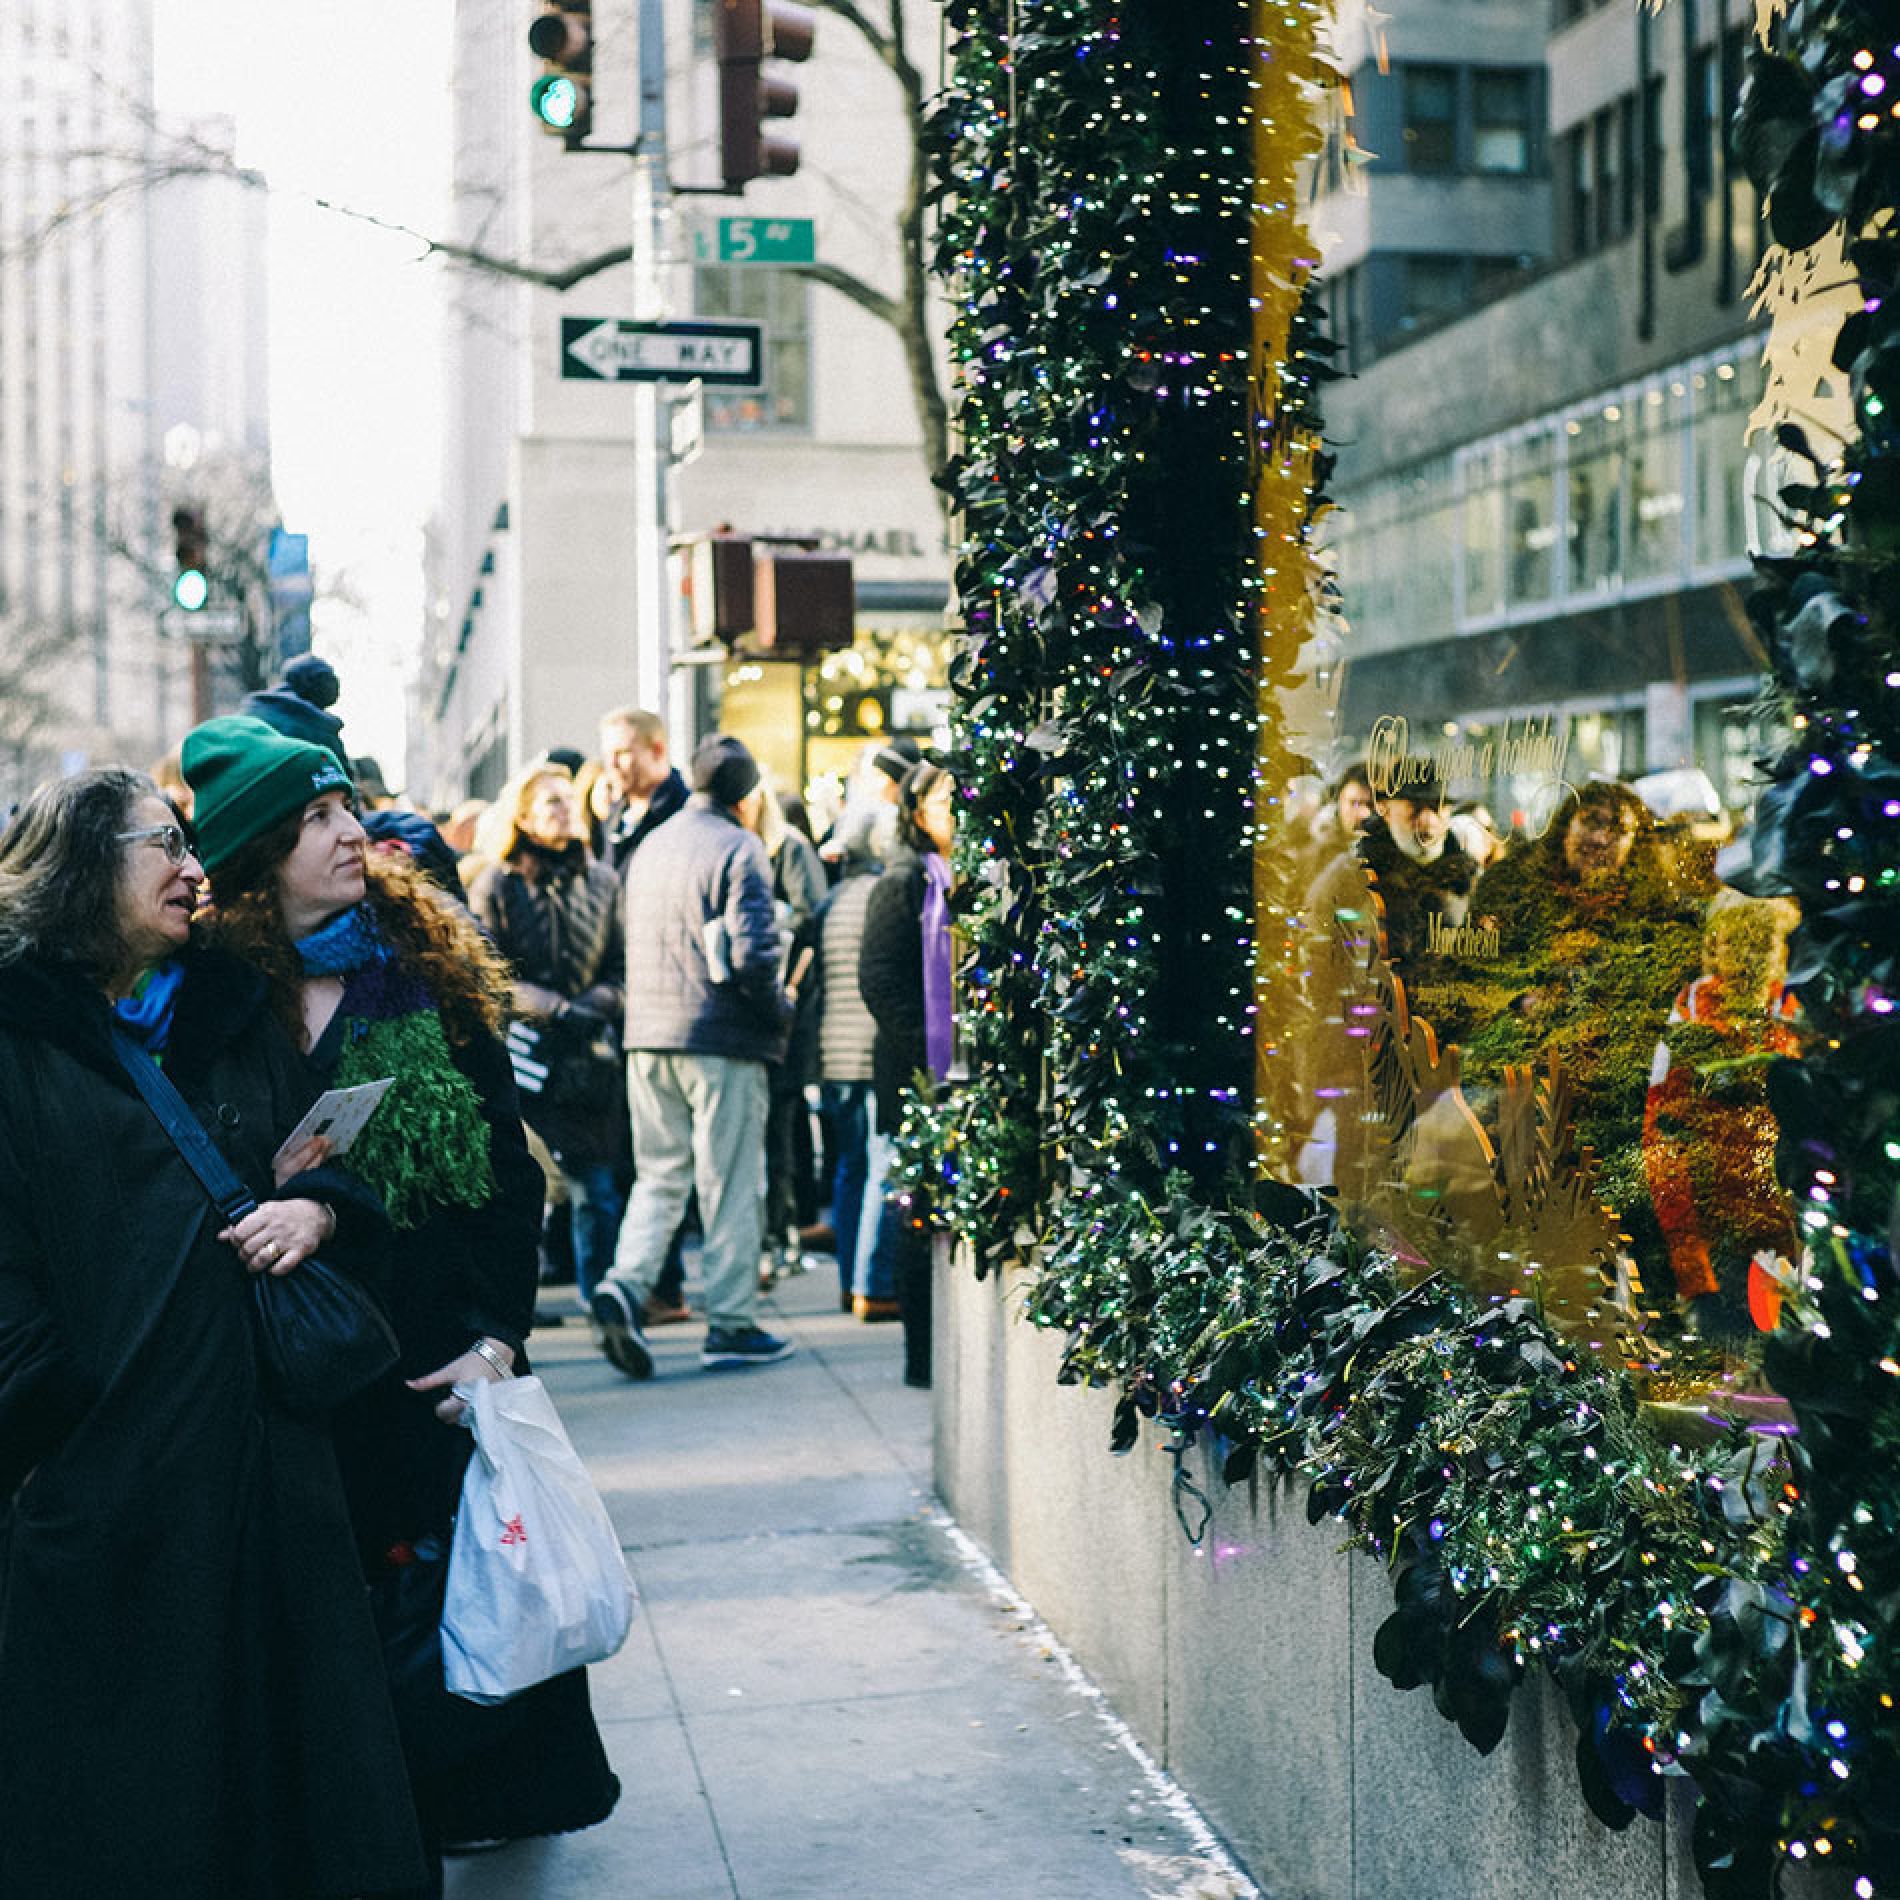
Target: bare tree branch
[
  {"x": 848, "y": 284},
  {"x": 475, "y": 257}
]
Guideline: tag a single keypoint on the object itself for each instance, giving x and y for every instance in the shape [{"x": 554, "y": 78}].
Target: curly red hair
[{"x": 434, "y": 939}]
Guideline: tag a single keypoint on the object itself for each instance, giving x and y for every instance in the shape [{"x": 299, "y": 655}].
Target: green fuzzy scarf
[{"x": 427, "y": 1143}]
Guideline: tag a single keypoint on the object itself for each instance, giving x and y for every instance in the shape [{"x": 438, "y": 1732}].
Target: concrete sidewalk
[{"x": 826, "y": 1692}]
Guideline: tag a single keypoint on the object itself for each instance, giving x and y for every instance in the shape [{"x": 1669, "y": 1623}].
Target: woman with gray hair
[{"x": 192, "y": 1697}]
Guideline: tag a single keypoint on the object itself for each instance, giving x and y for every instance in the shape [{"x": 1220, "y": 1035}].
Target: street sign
[
  {"x": 213, "y": 625},
  {"x": 757, "y": 241},
  {"x": 613, "y": 350}
]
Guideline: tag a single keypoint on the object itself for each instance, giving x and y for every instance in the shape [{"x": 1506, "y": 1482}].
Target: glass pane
[
  {"x": 1724, "y": 464},
  {"x": 1427, "y": 546},
  {"x": 781, "y": 302},
  {"x": 1597, "y": 502},
  {"x": 1434, "y": 288},
  {"x": 1656, "y": 499},
  {"x": 1501, "y": 122},
  {"x": 1483, "y": 563},
  {"x": 1530, "y": 510},
  {"x": 788, "y": 359},
  {"x": 1431, "y": 119}
]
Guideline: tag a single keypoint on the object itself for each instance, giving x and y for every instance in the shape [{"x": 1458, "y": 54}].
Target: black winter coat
[
  {"x": 562, "y": 937},
  {"x": 534, "y": 1764},
  {"x": 799, "y": 883},
  {"x": 464, "y": 1272},
  {"x": 192, "y": 1699},
  {"x": 891, "y": 981}
]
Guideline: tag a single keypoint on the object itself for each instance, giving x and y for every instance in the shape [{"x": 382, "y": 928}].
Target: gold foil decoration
[{"x": 1292, "y": 83}]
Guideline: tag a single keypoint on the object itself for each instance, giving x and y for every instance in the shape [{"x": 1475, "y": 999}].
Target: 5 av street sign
[
  {"x": 613, "y": 350},
  {"x": 757, "y": 241}
]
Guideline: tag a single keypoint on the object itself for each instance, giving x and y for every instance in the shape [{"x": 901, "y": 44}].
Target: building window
[
  {"x": 1431, "y": 118},
  {"x": 1578, "y": 170},
  {"x": 1344, "y": 315},
  {"x": 1653, "y": 149},
  {"x": 1434, "y": 288},
  {"x": 781, "y": 302},
  {"x": 1501, "y": 121},
  {"x": 1626, "y": 162},
  {"x": 1598, "y": 170},
  {"x": 1494, "y": 276},
  {"x": 1604, "y": 155}
]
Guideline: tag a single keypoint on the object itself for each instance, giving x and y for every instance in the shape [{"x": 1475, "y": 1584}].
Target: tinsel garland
[{"x": 1128, "y": 523}]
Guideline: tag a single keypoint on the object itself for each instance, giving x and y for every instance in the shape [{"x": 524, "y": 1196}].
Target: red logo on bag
[{"x": 513, "y": 1533}]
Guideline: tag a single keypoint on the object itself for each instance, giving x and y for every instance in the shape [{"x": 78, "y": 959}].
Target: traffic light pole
[{"x": 655, "y": 683}]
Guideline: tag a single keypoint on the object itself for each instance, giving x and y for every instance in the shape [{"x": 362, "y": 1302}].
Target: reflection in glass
[
  {"x": 1593, "y": 929},
  {"x": 1656, "y": 501},
  {"x": 1482, "y": 538},
  {"x": 1708, "y": 1130},
  {"x": 1597, "y": 501},
  {"x": 1530, "y": 504}
]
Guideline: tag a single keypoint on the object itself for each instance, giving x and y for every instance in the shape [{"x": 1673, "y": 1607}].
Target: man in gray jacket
[{"x": 705, "y": 1012}]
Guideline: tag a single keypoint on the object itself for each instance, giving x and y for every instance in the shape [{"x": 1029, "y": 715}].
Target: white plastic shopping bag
[{"x": 537, "y": 1584}]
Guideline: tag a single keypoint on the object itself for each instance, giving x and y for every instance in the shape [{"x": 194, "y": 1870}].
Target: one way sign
[{"x": 613, "y": 350}]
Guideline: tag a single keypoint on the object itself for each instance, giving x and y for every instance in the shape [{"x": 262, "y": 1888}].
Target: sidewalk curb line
[{"x": 1169, "y": 1792}]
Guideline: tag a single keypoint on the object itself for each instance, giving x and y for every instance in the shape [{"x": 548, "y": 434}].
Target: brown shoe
[
  {"x": 661, "y": 1313},
  {"x": 871, "y": 1311},
  {"x": 818, "y": 1238}
]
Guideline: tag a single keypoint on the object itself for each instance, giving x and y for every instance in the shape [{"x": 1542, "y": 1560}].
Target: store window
[{"x": 781, "y": 301}]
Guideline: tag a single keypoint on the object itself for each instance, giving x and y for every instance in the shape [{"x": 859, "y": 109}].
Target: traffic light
[
  {"x": 747, "y": 33},
  {"x": 191, "y": 586},
  {"x": 562, "y": 98},
  {"x": 805, "y": 603},
  {"x": 719, "y": 585}
]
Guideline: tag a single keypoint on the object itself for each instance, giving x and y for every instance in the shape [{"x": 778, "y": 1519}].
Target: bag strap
[{"x": 215, "y": 1175}]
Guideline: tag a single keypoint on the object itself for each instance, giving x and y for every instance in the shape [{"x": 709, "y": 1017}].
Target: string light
[{"x": 1139, "y": 480}]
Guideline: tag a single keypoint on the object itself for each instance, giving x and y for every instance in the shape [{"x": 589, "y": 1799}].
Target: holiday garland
[{"x": 1135, "y": 579}]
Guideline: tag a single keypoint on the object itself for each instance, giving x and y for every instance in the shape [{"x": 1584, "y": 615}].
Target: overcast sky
[{"x": 347, "y": 100}]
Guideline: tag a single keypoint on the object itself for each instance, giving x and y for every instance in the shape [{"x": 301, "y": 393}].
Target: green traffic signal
[
  {"x": 556, "y": 101},
  {"x": 191, "y": 590}
]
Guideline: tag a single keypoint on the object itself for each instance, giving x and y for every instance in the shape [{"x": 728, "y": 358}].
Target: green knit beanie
[{"x": 245, "y": 777}]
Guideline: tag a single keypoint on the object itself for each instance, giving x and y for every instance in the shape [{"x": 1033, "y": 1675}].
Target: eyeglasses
[{"x": 169, "y": 838}]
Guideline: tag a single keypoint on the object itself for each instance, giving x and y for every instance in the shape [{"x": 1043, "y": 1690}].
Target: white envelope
[{"x": 341, "y": 1114}]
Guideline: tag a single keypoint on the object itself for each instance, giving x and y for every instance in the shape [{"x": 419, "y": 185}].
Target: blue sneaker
[
  {"x": 747, "y": 1347},
  {"x": 617, "y": 1331}
]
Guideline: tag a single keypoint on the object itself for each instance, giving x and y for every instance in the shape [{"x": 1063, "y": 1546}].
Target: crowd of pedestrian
[
  {"x": 1600, "y": 941},
  {"x": 649, "y": 997}
]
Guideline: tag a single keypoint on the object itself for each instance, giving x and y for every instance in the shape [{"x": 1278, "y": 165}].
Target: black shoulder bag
[{"x": 321, "y": 1338}]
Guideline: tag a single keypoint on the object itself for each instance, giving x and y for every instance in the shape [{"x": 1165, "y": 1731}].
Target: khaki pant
[{"x": 698, "y": 1122}]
